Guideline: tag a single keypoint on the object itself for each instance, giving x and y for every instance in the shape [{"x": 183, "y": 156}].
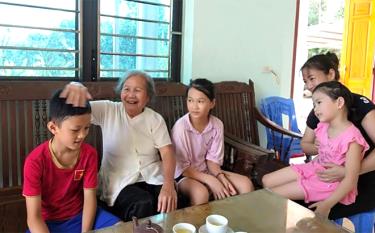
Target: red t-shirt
[{"x": 61, "y": 190}]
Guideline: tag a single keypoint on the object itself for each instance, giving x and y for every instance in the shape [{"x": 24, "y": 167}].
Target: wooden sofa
[{"x": 24, "y": 115}]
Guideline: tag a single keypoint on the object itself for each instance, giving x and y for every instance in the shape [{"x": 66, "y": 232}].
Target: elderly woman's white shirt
[{"x": 130, "y": 147}]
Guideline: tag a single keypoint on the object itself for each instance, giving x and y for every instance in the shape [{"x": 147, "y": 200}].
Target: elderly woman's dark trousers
[{"x": 139, "y": 200}]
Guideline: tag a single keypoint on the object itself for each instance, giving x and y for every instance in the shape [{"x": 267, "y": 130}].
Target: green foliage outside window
[{"x": 316, "y": 51}]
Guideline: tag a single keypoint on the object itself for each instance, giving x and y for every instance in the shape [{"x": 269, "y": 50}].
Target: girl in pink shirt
[
  {"x": 339, "y": 141},
  {"x": 198, "y": 138}
]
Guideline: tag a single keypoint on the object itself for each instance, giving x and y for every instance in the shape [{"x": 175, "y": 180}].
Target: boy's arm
[
  {"x": 89, "y": 209},
  {"x": 34, "y": 215},
  {"x": 352, "y": 169}
]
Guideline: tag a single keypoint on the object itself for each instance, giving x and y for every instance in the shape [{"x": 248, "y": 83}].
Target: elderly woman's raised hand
[{"x": 76, "y": 94}]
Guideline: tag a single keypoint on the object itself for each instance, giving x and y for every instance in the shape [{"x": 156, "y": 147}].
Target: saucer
[{"x": 203, "y": 229}]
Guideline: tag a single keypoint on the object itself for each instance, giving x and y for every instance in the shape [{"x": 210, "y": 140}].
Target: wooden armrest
[
  {"x": 252, "y": 149},
  {"x": 272, "y": 125},
  {"x": 12, "y": 210},
  {"x": 11, "y": 195},
  {"x": 241, "y": 156}
]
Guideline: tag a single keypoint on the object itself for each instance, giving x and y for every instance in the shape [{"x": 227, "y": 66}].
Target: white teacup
[
  {"x": 216, "y": 224},
  {"x": 184, "y": 228}
]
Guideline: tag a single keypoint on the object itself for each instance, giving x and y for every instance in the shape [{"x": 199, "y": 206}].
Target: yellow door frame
[{"x": 357, "y": 54}]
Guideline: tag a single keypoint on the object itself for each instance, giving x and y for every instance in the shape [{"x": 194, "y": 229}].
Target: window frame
[{"x": 89, "y": 50}]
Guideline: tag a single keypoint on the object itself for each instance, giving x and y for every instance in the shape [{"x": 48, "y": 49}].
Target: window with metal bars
[{"x": 89, "y": 40}]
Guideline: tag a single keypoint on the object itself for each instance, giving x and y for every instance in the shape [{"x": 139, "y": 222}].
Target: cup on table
[
  {"x": 216, "y": 224},
  {"x": 184, "y": 228}
]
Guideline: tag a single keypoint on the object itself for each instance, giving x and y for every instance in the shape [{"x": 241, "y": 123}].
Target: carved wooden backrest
[
  {"x": 24, "y": 115},
  {"x": 235, "y": 102},
  {"x": 169, "y": 101},
  {"x": 24, "y": 110},
  {"x": 23, "y": 119}
]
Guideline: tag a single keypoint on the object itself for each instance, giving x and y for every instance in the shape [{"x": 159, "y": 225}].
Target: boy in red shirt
[{"x": 60, "y": 175}]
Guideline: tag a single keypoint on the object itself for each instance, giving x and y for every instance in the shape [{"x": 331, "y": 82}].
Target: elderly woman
[{"x": 133, "y": 179}]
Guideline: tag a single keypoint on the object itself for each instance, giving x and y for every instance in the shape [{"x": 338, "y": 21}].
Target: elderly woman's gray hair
[{"x": 150, "y": 86}]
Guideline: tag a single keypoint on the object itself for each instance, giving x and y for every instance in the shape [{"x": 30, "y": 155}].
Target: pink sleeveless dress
[{"x": 331, "y": 150}]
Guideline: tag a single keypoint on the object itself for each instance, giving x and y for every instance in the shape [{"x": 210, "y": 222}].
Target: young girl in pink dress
[
  {"x": 198, "y": 138},
  {"x": 340, "y": 142}
]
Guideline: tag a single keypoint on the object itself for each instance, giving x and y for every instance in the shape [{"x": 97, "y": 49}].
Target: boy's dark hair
[
  {"x": 323, "y": 62},
  {"x": 203, "y": 85},
  {"x": 59, "y": 110},
  {"x": 334, "y": 90}
]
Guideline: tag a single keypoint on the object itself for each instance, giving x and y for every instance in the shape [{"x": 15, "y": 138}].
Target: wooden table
[{"x": 258, "y": 211}]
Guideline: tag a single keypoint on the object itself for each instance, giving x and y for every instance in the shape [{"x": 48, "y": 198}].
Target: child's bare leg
[
  {"x": 195, "y": 190},
  {"x": 241, "y": 183},
  {"x": 290, "y": 190},
  {"x": 279, "y": 177}
]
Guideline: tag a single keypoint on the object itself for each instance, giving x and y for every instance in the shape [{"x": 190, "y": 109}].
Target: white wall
[{"x": 236, "y": 39}]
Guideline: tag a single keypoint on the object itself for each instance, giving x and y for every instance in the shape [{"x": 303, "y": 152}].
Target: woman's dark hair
[
  {"x": 150, "y": 86},
  {"x": 334, "y": 90},
  {"x": 59, "y": 110},
  {"x": 203, "y": 85},
  {"x": 323, "y": 62}
]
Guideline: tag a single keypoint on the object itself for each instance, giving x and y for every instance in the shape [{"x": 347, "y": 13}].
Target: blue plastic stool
[
  {"x": 274, "y": 107},
  {"x": 363, "y": 222}
]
